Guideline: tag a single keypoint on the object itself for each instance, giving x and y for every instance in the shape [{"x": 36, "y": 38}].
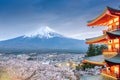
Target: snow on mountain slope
[{"x": 44, "y": 32}]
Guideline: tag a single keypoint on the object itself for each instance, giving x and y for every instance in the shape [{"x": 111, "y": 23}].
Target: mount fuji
[
  {"x": 43, "y": 32},
  {"x": 44, "y": 38}
]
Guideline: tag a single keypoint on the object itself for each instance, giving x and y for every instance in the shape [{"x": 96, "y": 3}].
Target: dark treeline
[
  {"x": 94, "y": 50},
  {"x": 39, "y": 51}
]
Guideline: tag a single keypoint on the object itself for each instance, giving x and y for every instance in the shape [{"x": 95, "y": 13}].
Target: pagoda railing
[
  {"x": 110, "y": 53},
  {"x": 108, "y": 73},
  {"x": 112, "y": 50}
]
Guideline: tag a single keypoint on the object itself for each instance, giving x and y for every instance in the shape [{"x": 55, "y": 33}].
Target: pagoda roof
[
  {"x": 114, "y": 33},
  {"x": 114, "y": 60},
  {"x": 97, "y": 60},
  {"x": 96, "y": 39},
  {"x": 108, "y": 14}
]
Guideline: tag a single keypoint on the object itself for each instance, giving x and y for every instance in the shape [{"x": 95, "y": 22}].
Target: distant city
[{"x": 54, "y": 66}]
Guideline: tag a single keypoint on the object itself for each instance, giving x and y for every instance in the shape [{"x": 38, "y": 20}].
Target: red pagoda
[{"x": 110, "y": 18}]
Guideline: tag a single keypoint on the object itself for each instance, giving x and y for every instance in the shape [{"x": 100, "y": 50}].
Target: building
[{"x": 110, "y": 18}]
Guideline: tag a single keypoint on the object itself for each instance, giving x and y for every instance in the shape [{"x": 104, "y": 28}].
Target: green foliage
[
  {"x": 78, "y": 67},
  {"x": 94, "y": 50},
  {"x": 86, "y": 66}
]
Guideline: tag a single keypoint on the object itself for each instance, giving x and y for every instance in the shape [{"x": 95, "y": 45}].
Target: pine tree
[
  {"x": 94, "y": 50},
  {"x": 91, "y": 50}
]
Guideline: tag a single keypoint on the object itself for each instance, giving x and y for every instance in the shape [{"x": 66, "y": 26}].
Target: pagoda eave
[
  {"x": 108, "y": 14},
  {"x": 97, "y": 42},
  {"x": 114, "y": 60},
  {"x": 115, "y": 33},
  {"x": 100, "y": 39},
  {"x": 92, "y": 62}
]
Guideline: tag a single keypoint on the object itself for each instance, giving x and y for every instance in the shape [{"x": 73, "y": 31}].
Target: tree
[
  {"x": 91, "y": 50},
  {"x": 94, "y": 50}
]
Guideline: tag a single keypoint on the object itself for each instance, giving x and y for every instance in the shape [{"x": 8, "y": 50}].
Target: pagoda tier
[
  {"x": 112, "y": 70},
  {"x": 96, "y": 60},
  {"x": 115, "y": 34},
  {"x": 112, "y": 39},
  {"x": 109, "y": 17},
  {"x": 100, "y": 39}
]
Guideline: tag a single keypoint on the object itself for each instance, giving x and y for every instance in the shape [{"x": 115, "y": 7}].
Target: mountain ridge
[{"x": 49, "y": 40}]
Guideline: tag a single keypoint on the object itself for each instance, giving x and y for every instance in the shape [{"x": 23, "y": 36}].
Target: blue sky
[{"x": 67, "y": 17}]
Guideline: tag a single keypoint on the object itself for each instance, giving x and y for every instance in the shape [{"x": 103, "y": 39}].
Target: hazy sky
[{"x": 67, "y": 17}]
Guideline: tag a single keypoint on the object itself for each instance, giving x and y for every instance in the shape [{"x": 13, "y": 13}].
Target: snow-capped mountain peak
[{"x": 43, "y": 32}]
